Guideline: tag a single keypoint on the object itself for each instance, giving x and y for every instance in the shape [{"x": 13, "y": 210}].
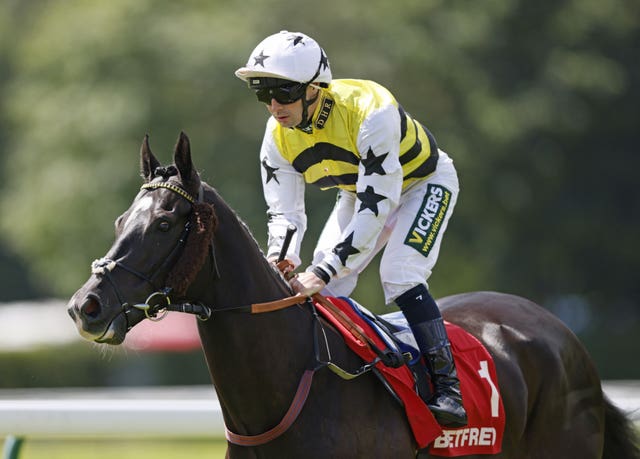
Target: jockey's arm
[
  {"x": 378, "y": 190},
  {"x": 283, "y": 189}
]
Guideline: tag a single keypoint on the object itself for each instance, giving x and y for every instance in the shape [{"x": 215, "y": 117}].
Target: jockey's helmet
[{"x": 291, "y": 56}]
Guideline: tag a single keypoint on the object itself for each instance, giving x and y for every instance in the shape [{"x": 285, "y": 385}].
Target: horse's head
[{"x": 160, "y": 245}]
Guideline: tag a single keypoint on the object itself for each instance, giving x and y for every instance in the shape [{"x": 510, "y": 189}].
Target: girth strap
[{"x": 289, "y": 418}]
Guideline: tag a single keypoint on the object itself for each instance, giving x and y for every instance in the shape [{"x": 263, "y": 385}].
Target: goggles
[{"x": 284, "y": 95}]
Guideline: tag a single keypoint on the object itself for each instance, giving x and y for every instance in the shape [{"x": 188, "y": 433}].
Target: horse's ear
[
  {"x": 148, "y": 162},
  {"x": 182, "y": 160}
]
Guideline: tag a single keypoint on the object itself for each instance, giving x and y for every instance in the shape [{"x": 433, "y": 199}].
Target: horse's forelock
[{"x": 166, "y": 171}]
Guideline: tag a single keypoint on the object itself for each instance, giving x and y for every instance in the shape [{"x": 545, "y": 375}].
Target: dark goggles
[{"x": 282, "y": 94}]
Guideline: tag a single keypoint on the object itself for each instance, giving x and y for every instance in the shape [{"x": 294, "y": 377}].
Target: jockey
[{"x": 396, "y": 190}]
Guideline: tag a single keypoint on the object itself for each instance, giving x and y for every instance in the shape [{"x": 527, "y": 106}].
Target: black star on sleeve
[
  {"x": 345, "y": 249},
  {"x": 271, "y": 172},
  {"x": 369, "y": 200},
  {"x": 373, "y": 164}
]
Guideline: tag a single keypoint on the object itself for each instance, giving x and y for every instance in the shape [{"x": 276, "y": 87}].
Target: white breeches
[{"x": 411, "y": 237}]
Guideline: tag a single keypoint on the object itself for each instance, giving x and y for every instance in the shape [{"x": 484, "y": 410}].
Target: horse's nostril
[{"x": 91, "y": 308}]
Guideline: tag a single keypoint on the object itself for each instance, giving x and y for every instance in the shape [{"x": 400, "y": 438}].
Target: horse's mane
[{"x": 203, "y": 221}]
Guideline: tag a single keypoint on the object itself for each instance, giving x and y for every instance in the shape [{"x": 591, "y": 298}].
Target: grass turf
[{"x": 123, "y": 449}]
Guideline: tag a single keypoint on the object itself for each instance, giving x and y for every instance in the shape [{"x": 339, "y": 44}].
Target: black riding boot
[
  {"x": 446, "y": 402},
  {"x": 425, "y": 320}
]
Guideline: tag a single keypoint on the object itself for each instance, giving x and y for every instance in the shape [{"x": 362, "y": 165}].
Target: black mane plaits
[{"x": 203, "y": 221}]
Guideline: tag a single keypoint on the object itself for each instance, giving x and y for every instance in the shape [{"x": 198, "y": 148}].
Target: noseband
[{"x": 159, "y": 301}]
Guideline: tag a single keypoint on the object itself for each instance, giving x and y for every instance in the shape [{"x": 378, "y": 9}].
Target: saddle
[{"x": 405, "y": 376}]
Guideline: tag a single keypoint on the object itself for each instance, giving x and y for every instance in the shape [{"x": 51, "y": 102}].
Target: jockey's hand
[
  {"x": 306, "y": 284},
  {"x": 272, "y": 259}
]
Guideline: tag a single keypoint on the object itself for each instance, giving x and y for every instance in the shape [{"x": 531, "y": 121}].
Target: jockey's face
[{"x": 290, "y": 115}]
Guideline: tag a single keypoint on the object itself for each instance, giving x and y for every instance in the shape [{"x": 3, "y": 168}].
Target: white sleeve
[
  {"x": 283, "y": 189},
  {"x": 378, "y": 190}
]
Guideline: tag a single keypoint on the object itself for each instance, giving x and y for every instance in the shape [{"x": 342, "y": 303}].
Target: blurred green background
[{"x": 537, "y": 103}]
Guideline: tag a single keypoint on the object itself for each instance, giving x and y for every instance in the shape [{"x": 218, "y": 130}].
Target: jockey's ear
[
  {"x": 148, "y": 162},
  {"x": 182, "y": 159}
]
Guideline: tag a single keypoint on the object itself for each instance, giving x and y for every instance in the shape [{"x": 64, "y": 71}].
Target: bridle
[{"x": 158, "y": 303}]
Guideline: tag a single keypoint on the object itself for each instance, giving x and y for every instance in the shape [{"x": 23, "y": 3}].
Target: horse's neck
[
  {"x": 238, "y": 272},
  {"x": 251, "y": 357}
]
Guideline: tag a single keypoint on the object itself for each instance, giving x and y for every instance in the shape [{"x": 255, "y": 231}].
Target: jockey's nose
[{"x": 274, "y": 104}]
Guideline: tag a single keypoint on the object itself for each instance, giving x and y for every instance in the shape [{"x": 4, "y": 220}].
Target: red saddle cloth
[{"x": 478, "y": 382}]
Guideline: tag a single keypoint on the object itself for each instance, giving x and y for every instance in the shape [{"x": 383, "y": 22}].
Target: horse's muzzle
[{"x": 92, "y": 321}]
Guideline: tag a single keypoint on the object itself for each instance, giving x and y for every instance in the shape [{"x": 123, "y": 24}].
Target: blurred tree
[{"x": 535, "y": 101}]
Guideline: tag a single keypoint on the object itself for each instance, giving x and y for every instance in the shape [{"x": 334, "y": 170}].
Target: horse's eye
[{"x": 164, "y": 226}]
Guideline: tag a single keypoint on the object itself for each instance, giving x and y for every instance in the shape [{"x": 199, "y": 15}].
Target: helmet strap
[{"x": 306, "y": 119}]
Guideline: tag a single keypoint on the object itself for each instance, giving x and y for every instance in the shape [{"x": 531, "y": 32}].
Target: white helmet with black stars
[{"x": 289, "y": 56}]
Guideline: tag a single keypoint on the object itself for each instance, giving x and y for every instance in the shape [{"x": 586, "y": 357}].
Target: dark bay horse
[{"x": 180, "y": 241}]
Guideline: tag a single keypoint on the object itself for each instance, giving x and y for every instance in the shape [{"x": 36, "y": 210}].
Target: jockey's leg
[{"x": 425, "y": 320}]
